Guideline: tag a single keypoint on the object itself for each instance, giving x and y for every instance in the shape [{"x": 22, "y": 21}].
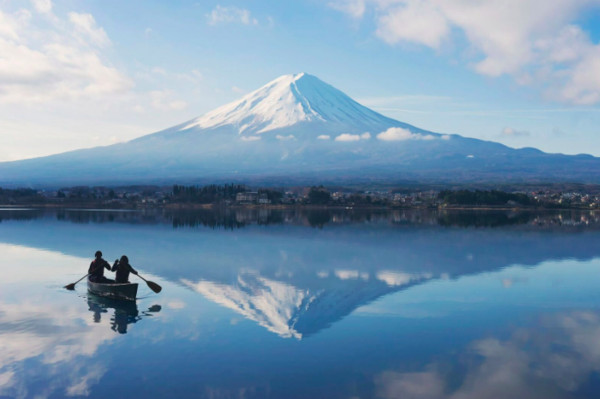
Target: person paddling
[
  {"x": 122, "y": 269},
  {"x": 96, "y": 270}
]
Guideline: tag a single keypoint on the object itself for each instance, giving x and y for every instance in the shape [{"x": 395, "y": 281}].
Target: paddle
[
  {"x": 72, "y": 285},
  {"x": 151, "y": 284}
]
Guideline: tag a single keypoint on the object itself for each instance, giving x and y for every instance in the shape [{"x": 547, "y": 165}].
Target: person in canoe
[
  {"x": 122, "y": 269},
  {"x": 96, "y": 270}
]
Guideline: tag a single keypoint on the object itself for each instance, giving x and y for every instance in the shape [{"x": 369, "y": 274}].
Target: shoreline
[{"x": 192, "y": 207}]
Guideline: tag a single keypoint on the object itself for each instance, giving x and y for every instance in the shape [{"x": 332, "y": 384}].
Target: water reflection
[
  {"x": 296, "y": 280},
  {"x": 125, "y": 312},
  {"x": 52, "y": 337},
  {"x": 263, "y": 304},
  {"x": 237, "y": 218},
  {"x": 556, "y": 358},
  {"x": 290, "y": 311}
]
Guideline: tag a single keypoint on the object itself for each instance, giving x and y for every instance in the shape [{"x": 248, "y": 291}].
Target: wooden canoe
[{"x": 124, "y": 291}]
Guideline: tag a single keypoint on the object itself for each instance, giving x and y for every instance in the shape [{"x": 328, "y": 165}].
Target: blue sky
[{"x": 82, "y": 73}]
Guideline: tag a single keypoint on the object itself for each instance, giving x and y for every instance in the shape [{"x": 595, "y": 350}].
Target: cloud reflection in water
[{"x": 553, "y": 359}]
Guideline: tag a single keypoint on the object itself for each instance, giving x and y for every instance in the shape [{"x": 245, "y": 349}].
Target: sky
[{"x": 84, "y": 73}]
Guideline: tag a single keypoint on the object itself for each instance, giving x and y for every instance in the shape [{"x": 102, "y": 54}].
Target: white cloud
[
  {"x": 58, "y": 73},
  {"x": 220, "y": 15},
  {"x": 42, "y": 6},
  {"x": 250, "y": 138},
  {"x": 393, "y": 278},
  {"x": 10, "y": 24},
  {"x": 583, "y": 84},
  {"x": 85, "y": 24},
  {"x": 511, "y": 132},
  {"x": 347, "y": 274},
  {"x": 415, "y": 21},
  {"x": 85, "y": 382},
  {"x": 401, "y": 134},
  {"x": 354, "y": 8},
  {"x": 7, "y": 379},
  {"x": 285, "y": 138},
  {"x": 324, "y": 137},
  {"x": 59, "y": 62},
  {"x": 347, "y": 137},
  {"x": 419, "y": 385},
  {"x": 536, "y": 42}
]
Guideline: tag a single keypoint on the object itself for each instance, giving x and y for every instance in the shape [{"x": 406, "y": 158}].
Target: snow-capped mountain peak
[{"x": 286, "y": 101}]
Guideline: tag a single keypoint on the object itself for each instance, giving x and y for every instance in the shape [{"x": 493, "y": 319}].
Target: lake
[{"x": 262, "y": 303}]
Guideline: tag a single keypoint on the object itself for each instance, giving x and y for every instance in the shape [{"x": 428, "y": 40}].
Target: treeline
[
  {"x": 319, "y": 195},
  {"x": 214, "y": 194},
  {"x": 477, "y": 197},
  {"x": 19, "y": 196},
  {"x": 207, "y": 194}
]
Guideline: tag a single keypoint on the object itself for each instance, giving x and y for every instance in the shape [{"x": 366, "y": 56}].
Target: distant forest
[
  {"x": 477, "y": 197},
  {"x": 228, "y": 194}
]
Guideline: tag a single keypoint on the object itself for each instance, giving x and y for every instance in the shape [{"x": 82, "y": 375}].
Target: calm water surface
[{"x": 265, "y": 304}]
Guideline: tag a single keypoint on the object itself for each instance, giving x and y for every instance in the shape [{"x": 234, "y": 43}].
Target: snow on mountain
[
  {"x": 293, "y": 312},
  {"x": 271, "y": 304},
  {"x": 286, "y": 101}
]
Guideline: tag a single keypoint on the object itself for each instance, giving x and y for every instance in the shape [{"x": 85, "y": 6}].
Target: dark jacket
[
  {"x": 96, "y": 269},
  {"x": 123, "y": 270}
]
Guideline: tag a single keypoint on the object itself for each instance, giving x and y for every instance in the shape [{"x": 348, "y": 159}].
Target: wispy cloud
[
  {"x": 511, "y": 132},
  {"x": 163, "y": 100},
  {"x": 354, "y": 8},
  {"x": 285, "y": 138},
  {"x": 221, "y": 15},
  {"x": 85, "y": 25}
]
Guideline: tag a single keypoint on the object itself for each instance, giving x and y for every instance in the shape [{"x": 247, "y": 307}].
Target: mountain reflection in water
[{"x": 293, "y": 304}]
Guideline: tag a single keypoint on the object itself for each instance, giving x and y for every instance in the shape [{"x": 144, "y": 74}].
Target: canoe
[{"x": 124, "y": 291}]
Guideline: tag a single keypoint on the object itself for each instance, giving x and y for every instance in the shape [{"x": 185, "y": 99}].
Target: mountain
[{"x": 298, "y": 129}]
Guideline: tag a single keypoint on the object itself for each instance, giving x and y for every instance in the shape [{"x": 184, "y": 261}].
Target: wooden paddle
[
  {"x": 151, "y": 284},
  {"x": 72, "y": 285}
]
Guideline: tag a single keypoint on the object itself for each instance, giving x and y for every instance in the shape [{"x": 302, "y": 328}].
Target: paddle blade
[
  {"x": 70, "y": 287},
  {"x": 154, "y": 287}
]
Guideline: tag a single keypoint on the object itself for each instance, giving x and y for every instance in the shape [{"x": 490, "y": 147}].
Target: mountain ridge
[{"x": 298, "y": 129}]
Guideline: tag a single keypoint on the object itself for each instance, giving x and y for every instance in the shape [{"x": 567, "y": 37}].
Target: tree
[{"x": 319, "y": 195}]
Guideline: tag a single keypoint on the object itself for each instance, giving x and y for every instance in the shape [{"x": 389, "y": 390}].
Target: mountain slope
[
  {"x": 298, "y": 129},
  {"x": 289, "y": 100}
]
